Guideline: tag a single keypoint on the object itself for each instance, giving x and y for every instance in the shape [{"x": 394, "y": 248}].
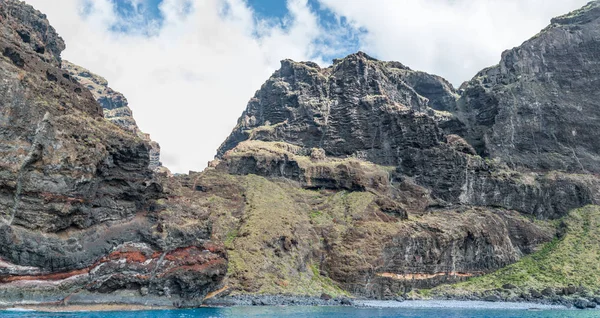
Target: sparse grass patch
[{"x": 574, "y": 259}]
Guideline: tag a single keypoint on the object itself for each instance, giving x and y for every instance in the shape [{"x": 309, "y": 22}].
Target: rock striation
[
  {"x": 509, "y": 143},
  {"x": 80, "y": 209},
  {"x": 537, "y": 108},
  {"x": 368, "y": 109},
  {"x": 114, "y": 105},
  {"x": 364, "y": 178}
]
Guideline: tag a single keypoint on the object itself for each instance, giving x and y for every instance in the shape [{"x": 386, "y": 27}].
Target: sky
[{"x": 189, "y": 67}]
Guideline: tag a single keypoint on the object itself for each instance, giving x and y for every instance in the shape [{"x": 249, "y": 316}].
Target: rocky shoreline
[
  {"x": 283, "y": 300},
  {"x": 549, "y": 302}
]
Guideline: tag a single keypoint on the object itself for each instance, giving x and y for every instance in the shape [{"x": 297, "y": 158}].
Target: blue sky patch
[
  {"x": 146, "y": 18},
  {"x": 269, "y": 9}
]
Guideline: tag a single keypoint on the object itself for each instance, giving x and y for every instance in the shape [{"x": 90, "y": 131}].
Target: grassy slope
[
  {"x": 257, "y": 258},
  {"x": 574, "y": 259}
]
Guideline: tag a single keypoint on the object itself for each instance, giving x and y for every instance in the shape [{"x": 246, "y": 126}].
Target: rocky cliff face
[
  {"x": 509, "y": 143},
  {"x": 371, "y": 110},
  {"x": 537, "y": 108},
  {"x": 80, "y": 209},
  {"x": 364, "y": 178},
  {"x": 114, "y": 106}
]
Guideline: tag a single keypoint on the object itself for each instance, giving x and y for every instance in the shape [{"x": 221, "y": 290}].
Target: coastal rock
[
  {"x": 114, "y": 105},
  {"x": 80, "y": 210},
  {"x": 365, "y": 178},
  {"x": 367, "y": 109},
  {"x": 581, "y": 303},
  {"x": 492, "y": 298},
  {"x": 536, "y": 109},
  {"x": 378, "y": 129}
]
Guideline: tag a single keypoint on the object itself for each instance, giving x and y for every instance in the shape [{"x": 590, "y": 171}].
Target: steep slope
[
  {"x": 285, "y": 237},
  {"x": 79, "y": 215},
  {"x": 365, "y": 178},
  {"x": 114, "y": 106},
  {"x": 565, "y": 269},
  {"x": 366, "y": 109},
  {"x": 538, "y": 108},
  {"x": 384, "y": 133},
  {"x": 357, "y": 107}
]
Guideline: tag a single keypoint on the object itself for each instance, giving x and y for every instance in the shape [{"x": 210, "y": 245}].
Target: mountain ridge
[{"x": 362, "y": 179}]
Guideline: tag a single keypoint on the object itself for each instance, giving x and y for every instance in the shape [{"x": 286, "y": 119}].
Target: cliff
[
  {"x": 114, "y": 106},
  {"x": 365, "y": 178},
  {"x": 438, "y": 184},
  {"x": 80, "y": 208},
  {"x": 537, "y": 108}
]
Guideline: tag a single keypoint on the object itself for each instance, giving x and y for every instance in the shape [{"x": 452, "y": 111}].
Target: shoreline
[
  {"x": 278, "y": 301},
  {"x": 82, "y": 308}
]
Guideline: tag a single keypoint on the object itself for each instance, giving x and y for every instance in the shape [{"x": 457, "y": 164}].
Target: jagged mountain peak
[
  {"x": 586, "y": 14},
  {"x": 31, "y": 30},
  {"x": 536, "y": 109},
  {"x": 303, "y": 104}
]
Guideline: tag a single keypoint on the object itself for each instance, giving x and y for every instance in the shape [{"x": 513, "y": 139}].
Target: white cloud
[
  {"x": 452, "y": 38},
  {"x": 188, "y": 81}
]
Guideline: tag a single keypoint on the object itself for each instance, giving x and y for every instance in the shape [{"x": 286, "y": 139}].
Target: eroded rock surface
[
  {"x": 114, "y": 105},
  {"x": 79, "y": 206},
  {"x": 466, "y": 167},
  {"x": 538, "y": 108},
  {"x": 363, "y": 178}
]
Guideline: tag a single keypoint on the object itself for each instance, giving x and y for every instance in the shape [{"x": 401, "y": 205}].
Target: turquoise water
[{"x": 315, "y": 312}]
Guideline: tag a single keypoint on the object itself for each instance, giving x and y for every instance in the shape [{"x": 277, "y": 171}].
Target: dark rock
[
  {"x": 591, "y": 304},
  {"x": 570, "y": 290},
  {"x": 114, "y": 105},
  {"x": 346, "y": 302},
  {"x": 492, "y": 298},
  {"x": 509, "y": 286},
  {"x": 338, "y": 110},
  {"x": 77, "y": 199},
  {"x": 548, "y": 292},
  {"x": 535, "y": 294},
  {"x": 377, "y": 177},
  {"x": 505, "y": 104},
  {"x": 581, "y": 303}
]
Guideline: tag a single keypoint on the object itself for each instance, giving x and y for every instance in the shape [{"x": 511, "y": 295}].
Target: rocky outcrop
[
  {"x": 80, "y": 210},
  {"x": 537, "y": 108},
  {"x": 363, "y": 178},
  {"x": 464, "y": 166},
  {"x": 374, "y": 111},
  {"x": 114, "y": 105},
  {"x": 284, "y": 239},
  {"x": 357, "y": 107}
]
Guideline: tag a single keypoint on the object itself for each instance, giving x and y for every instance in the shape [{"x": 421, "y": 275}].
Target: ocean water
[{"x": 317, "y": 312}]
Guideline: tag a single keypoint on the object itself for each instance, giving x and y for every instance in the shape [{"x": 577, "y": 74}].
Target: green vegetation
[
  {"x": 269, "y": 254},
  {"x": 573, "y": 259},
  {"x": 231, "y": 236}
]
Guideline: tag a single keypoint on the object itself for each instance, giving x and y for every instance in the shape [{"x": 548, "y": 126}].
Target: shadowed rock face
[
  {"x": 538, "y": 108},
  {"x": 464, "y": 167},
  {"x": 359, "y": 106},
  {"x": 114, "y": 105},
  {"x": 365, "y": 177},
  {"x": 76, "y": 190}
]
